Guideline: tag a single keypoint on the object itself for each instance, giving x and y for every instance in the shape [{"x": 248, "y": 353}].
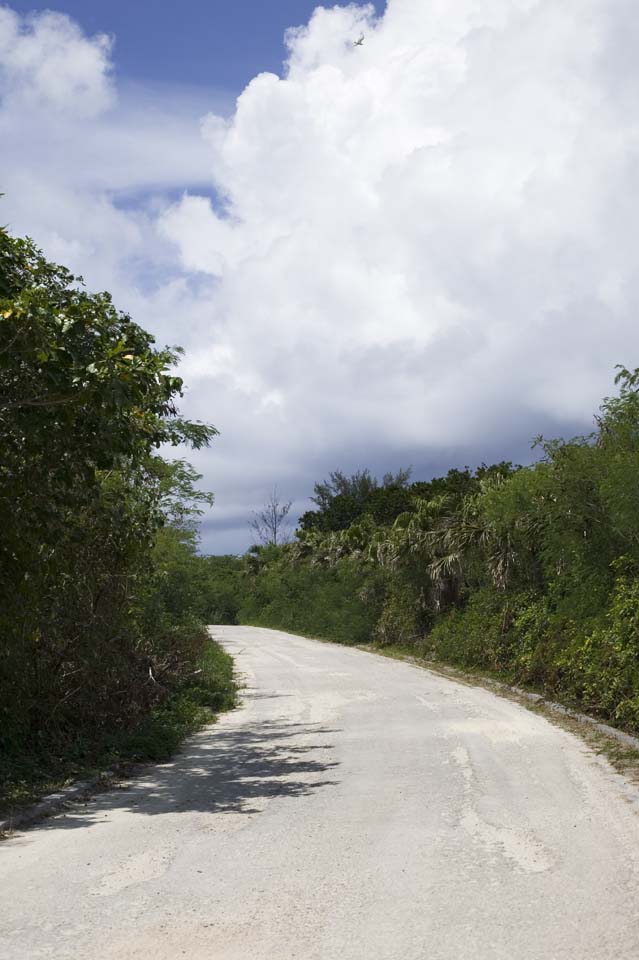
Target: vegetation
[
  {"x": 529, "y": 573},
  {"x": 100, "y": 636}
]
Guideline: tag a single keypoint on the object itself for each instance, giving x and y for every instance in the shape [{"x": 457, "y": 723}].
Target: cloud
[
  {"x": 427, "y": 240},
  {"x": 417, "y": 250},
  {"x": 47, "y": 63},
  {"x": 87, "y": 164}
]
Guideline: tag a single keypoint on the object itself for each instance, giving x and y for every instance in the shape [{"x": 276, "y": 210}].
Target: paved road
[{"x": 355, "y": 808}]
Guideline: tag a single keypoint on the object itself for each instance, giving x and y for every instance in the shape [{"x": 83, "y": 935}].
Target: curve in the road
[{"x": 354, "y": 808}]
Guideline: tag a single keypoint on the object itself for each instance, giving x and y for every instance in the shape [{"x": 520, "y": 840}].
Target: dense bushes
[
  {"x": 601, "y": 666},
  {"x": 530, "y": 573},
  {"x": 98, "y": 620},
  {"x": 332, "y": 602}
]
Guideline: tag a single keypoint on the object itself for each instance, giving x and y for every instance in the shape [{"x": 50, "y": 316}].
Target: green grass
[{"x": 25, "y": 779}]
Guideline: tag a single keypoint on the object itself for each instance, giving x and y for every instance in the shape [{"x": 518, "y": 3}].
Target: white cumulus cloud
[
  {"x": 425, "y": 242},
  {"x": 420, "y": 249}
]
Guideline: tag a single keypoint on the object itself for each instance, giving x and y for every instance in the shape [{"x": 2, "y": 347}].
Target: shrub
[{"x": 601, "y": 667}]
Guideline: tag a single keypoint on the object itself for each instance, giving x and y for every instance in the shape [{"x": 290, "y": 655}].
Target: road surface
[{"x": 354, "y": 808}]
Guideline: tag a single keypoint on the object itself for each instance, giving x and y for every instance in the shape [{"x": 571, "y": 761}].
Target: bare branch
[{"x": 270, "y": 525}]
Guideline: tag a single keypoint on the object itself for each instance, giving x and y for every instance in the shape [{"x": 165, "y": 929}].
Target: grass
[{"x": 26, "y": 779}]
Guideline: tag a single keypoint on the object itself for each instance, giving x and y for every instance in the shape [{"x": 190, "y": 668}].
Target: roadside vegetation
[
  {"x": 529, "y": 574},
  {"x": 103, "y": 650}
]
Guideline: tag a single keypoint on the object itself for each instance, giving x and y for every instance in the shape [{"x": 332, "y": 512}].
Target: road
[{"x": 354, "y": 808}]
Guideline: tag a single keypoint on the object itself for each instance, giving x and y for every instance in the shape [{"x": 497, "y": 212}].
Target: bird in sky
[{"x": 358, "y": 43}]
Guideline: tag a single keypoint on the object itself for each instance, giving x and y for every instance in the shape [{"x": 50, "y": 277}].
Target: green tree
[
  {"x": 85, "y": 401},
  {"x": 341, "y": 500}
]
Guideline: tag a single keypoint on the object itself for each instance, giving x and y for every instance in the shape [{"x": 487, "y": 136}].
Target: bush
[
  {"x": 154, "y": 738},
  {"x": 475, "y": 636},
  {"x": 401, "y": 619},
  {"x": 601, "y": 667},
  {"x": 314, "y": 600},
  {"x": 98, "y": 622}
]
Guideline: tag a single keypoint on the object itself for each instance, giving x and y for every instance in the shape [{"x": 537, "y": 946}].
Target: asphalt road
[{"x": 355, "y": 808}]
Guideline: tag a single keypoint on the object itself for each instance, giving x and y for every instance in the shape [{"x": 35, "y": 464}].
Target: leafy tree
[
  {"x": 530, "y": 572},
  {"x": 221, "y": 584},
  {"x": 341, "y": 500},
  {"x": 85, "y": 401}
]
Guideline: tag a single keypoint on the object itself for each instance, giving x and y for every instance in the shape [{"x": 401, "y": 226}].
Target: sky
[
  {"x": 204, "y": 43},
  {"x": 417, "y": 251}
]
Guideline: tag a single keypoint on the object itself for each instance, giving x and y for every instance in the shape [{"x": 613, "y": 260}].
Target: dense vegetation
[
  {"x": 101, "y": 647},
  {"x": 530, "y": 573}
]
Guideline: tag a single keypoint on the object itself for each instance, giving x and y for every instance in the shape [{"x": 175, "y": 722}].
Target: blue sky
[
  {"x": 418, "y": 251},
  {"x": 219, "y": 43}
]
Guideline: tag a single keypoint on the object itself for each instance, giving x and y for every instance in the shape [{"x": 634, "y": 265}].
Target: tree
[
  {"x": 341, "y": 500},
  {"x": 85, "y": 401},
  {"x": 270, "y": 525}
]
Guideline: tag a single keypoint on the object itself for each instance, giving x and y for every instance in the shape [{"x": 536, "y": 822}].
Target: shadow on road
[{"x": 233, "y": 770}]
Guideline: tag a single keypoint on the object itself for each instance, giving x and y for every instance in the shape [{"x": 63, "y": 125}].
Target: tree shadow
[
  {"x": 221, "y": 770},
  {"x": 250, "y": 694}
]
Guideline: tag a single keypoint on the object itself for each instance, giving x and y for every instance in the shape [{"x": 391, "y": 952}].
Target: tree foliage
[
  {"x": 531, "y": 572},
  {"x": 341, "y": 500},
  {"x": 92, "y": 633}
]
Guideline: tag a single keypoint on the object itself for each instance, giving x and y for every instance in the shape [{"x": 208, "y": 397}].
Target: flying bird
[{"x": 358, "y": 43}]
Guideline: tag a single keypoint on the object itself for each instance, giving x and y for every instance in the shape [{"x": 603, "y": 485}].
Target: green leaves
[
  {"x": 86, "y": 399},
  {"x": 530, "y": 572}
]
